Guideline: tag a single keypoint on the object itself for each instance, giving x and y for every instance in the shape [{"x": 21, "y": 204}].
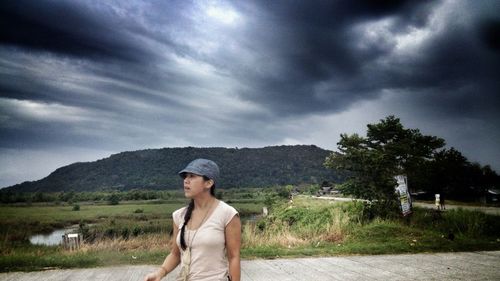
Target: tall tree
[
  {"x": 453, "y": 175},
  {"x": 370, "y": 163}
]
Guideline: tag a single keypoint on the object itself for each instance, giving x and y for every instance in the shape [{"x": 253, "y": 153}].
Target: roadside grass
[
  {"x": 31, "y": 257},
  {"x": 308, "y": 227},
  {"x": 321, "y": 229}
]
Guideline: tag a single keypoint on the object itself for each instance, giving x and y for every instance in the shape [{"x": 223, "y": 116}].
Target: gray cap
[{"x": 202, "y": 167}]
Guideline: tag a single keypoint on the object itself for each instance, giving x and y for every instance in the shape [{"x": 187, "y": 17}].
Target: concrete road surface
[
  {"x": 487, "y": 210},
  {"x": 441, "y": 266},
  {"x": 484, "y": 209}
]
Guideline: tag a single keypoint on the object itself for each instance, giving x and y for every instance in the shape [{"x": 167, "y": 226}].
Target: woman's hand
[
  {"x": 156, "y": 276},
  {"x": 171, "y": 261}
]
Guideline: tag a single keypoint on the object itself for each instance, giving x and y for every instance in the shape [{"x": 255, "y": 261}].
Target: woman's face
[{"x": 195, "y": 184}]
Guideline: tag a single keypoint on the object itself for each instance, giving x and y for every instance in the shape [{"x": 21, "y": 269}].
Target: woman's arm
[
  {"x": 171, "y": 261},
  {"x": 233, "y": 244}
]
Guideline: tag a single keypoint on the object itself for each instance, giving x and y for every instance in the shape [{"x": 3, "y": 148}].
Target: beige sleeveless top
[{"x": 208, "y": 250}]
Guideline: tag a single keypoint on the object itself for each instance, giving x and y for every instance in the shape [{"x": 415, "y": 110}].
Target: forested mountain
[{"x": 157, "y": 169}]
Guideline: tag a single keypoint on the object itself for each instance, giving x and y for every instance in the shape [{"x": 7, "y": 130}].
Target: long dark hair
[{"x": 189, "y": 212}]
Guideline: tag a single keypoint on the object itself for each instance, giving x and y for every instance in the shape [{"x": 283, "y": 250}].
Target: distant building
[
  {"x": 295, "y": 191},
  {"x": 327, "y": 190},
  {"x": 421, "y": 195},
  {"x": 493, "y": 195}
]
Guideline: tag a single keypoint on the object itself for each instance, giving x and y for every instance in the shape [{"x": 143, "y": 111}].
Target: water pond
[{"x": 51, "y": 239}]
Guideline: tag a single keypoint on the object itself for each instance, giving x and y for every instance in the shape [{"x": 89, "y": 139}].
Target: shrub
[
  {"x": 84, "y": 229},
  {"x": 462, "y": 222},
  {"x": 136, "y": 231},
  {"x": 76, "y": 207},
  {"x": 261, "y": 225},
  {"x": 114, "y": 199},
  {"x": 384, "y": 210},
  {"x": 472, "y": 224},
  {"x": 110, "y": 233},
  {"x": 125, "y": 232},
  {"x": 302, "y": 223}
]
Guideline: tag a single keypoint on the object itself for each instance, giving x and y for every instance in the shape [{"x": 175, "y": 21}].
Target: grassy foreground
[
  {"x": 139, "y": 233},
  {"x": 320, "y": 228}
]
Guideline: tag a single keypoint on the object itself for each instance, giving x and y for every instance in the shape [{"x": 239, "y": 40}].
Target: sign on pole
[{"x": 404, "y": 195}]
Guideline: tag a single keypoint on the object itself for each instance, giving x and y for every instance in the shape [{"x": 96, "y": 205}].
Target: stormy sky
[{"x": 80, "y": 80}]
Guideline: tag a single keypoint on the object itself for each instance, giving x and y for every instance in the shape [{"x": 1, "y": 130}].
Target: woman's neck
[{"x": 203, "y": 203}]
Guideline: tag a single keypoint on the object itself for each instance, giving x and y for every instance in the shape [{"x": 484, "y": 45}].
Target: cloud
[
  {"x": 311, "y": 54},
  {"x": 66, "y": 27},
  {"x": 126, "y": 75},
  {"x": 31, "y": 111}
]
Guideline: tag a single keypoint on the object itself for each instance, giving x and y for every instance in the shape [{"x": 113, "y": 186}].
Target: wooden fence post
[{"x": 72, "y": 241}]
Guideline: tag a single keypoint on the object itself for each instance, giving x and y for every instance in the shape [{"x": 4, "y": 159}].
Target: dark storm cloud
[
  {"x": 455, "y": 74},
  {"x": 121, "y": 75},
  {"x": 65, "y": 28},
  {"x": 315, "y": 46},
  {"x": 489, "y": 32},
  {"x": 309, "y": 57},
  {"x": 325, "y": 70}
]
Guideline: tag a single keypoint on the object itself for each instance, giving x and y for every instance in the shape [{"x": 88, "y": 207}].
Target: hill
[{"x": 157, "y": 169}]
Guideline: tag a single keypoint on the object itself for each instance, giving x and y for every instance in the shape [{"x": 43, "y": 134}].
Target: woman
[{"x": 207, "y": 233}]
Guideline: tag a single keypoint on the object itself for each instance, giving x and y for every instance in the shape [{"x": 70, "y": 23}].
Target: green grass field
[
  {"x": 138, "y": 232},
  {"x": 39, "y": 219}
]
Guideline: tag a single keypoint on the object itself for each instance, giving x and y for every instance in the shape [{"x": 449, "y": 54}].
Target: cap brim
[{"x": 192, "y": 171}]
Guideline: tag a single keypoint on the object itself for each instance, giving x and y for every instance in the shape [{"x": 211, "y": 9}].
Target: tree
[
  {"x": 452, "y": 174},
  {"x": 114, "y": 199},
  {"x": 449, "y": 173},
  {"x": 370, "y": 163}
]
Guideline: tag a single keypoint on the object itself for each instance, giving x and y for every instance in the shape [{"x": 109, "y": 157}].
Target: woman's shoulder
[
  {"x": 226, "y": 207},
  {"x": 227, "y": 212},
  {"x": 180, "y": 210},
  {"x": 178, "y": 215}
]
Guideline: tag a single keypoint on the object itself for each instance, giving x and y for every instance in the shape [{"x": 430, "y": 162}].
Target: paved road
[
  {"x": 487, "y": 210},
  {"x": 441, "y": 266}
]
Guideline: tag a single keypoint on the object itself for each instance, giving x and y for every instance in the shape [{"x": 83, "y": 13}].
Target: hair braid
[{"x": 187, "y": 217}]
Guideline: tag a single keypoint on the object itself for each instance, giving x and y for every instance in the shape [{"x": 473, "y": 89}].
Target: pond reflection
[{"x": 51, "y": 239}]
